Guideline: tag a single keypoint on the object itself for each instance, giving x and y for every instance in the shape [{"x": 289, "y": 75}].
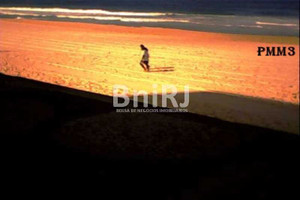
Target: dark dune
[{"x": 55, "y": 139}]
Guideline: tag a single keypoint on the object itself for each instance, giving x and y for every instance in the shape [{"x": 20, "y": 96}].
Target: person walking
[{"x": 145, "y": 59}]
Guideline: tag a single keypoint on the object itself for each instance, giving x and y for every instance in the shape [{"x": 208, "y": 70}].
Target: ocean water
[{"x": 260, "y": 17}]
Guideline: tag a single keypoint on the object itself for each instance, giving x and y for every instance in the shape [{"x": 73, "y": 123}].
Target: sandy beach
[{"x": 226, "y": 77}]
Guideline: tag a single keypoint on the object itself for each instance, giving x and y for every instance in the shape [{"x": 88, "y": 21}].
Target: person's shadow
[{"x": 162, "y": 69}]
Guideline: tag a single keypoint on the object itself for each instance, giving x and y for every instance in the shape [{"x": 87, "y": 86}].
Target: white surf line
[
  {"x": 172, "y": 78},
  {"x": 276, "y": 24},
  {"x": 85, "y": 11}
]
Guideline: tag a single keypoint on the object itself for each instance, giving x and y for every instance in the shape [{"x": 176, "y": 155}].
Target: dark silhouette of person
[{"x": 145, "y": 59}]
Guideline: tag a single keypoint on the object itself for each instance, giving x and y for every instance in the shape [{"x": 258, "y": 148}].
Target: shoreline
[
  {"x": 222, "y": 70},
  {"x": 213, "y": 23},
  {"x": 278, "y": 39},
  {"x": 295, "y": 38}
]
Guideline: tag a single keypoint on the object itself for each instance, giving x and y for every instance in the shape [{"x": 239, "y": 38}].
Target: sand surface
[
  {"x": 226, "y": 77},
  {"x": 153, "y": 156}
]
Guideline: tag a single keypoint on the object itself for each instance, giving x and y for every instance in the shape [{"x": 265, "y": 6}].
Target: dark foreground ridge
[{"x": 57, "y": 139}]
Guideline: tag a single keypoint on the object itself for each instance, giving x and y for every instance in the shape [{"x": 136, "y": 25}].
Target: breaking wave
[
  {"x": 275, "y": 24},
  {"x": 95, "y": 14},
  {"x": 123, "y": 19},
  {"x": 81, "y": 11},
  {"x": 199, "y": 22}
]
